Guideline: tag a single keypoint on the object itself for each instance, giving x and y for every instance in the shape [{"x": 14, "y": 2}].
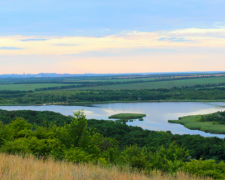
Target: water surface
[{"x": 158, "y": 113}]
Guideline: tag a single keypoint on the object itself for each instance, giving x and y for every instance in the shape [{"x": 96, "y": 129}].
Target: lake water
[{"x": 158, "y": 113}]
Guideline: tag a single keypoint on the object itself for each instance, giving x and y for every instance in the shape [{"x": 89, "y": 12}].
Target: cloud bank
[{"x": 189, "y": 49}]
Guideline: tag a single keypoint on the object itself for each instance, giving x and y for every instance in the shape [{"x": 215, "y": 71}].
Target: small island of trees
[{"x": 127, "y": 116}]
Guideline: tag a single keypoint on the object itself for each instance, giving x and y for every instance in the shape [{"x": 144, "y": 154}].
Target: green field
[
  {"x": 191, "y": 123},
  {"x": 127, "y": 116},
  {"x": 29, "y": 87},
  {"x": 122, "y": 80},
  {"x": 161, "y": 84}
]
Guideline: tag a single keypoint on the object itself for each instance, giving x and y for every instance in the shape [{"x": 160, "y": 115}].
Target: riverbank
[
  {"x": 174, "y": 100},
  {"x": 106, "y": 102},
  {"x": 191, "y": 123}
]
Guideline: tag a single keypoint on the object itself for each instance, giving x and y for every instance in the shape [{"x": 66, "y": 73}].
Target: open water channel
[{"x": 158, "y": 113}]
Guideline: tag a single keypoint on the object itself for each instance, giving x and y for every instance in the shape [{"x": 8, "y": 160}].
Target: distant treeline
[
  {"x": 13, "y": 94},
  {"x": 22, "y": 97}
]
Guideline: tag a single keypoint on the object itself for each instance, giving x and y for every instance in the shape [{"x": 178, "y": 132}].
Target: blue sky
[
  {"x": 181, "y": 26},
  {"x": 93, "y": 18}
]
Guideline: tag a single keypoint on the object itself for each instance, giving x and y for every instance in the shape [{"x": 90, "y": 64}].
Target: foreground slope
[{"x": 17, "y": 167}]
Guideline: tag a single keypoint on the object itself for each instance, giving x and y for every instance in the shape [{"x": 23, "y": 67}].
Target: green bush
[
  {"x": 167, "y": 160},
  {"x": 18, "y": 146},
  {"x": 136, "y": 157},
  {"x": 170, "y": 159},
  {"x": 77, "y": 155},
  {"x": 205, "y": 168},
  {"x": 20, "y": 128}
]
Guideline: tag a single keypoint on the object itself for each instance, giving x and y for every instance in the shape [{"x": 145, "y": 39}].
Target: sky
[{"x": 117, "y": 36}]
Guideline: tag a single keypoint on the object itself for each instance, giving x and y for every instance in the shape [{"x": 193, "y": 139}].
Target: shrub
[
  {"x": 77, "y": 155},
  {"x": 205, "y": 168},
  {"x": 136, "y": 157},
  {"x": 169, "y": 160},
  {"x": 19, "y": 146}
]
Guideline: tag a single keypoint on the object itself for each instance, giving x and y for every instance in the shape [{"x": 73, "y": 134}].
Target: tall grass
[{"x": 30, "y": 168}]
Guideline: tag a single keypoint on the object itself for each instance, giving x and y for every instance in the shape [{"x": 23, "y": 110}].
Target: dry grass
[{"x": 30, "y": 168}]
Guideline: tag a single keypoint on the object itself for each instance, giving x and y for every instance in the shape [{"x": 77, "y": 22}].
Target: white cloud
[
  {"x": 183, "y": 38},
  {"x": 198, "y": 31}
]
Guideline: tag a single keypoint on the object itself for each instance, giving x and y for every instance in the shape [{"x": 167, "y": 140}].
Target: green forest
[{"x": 97, "y": 96}]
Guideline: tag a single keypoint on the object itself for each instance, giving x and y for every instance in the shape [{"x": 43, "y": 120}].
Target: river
[{"x": 158, "y": 113}]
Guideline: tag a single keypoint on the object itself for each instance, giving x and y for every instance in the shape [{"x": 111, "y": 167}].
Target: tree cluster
[{"x": 216, "y": 118}]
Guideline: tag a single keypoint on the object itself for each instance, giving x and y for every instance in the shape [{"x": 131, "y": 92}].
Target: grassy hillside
[
  {"x": 18, "y": 168},
  {"x": 191, "y": 123},
  {"x": 162, "y": 84}
]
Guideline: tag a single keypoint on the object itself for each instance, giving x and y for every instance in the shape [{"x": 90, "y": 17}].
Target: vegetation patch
[
  {"x": 198, "y": 122},
  {"x": 216, "y": 118},
  {"x": 164, "y": 83},
  {"x": 108, "y": 144},
  {"x": 29, "y": 87},
  {"x": 127, "y": 116}
]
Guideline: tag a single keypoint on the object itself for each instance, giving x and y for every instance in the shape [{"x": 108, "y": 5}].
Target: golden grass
[{"x": 30, "y": 168}]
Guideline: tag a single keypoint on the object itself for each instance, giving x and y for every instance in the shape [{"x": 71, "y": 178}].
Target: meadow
[
  {"x": 16, "y": 167},
  {"x": 102, "y": 83},
  {"x": 160, "y": 84},
  {"x": 121, "y": 79},
  {"x": 191, "y": 122}
]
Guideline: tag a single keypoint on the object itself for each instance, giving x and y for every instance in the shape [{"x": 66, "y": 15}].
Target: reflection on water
[{"x": 157, "y": 117}]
